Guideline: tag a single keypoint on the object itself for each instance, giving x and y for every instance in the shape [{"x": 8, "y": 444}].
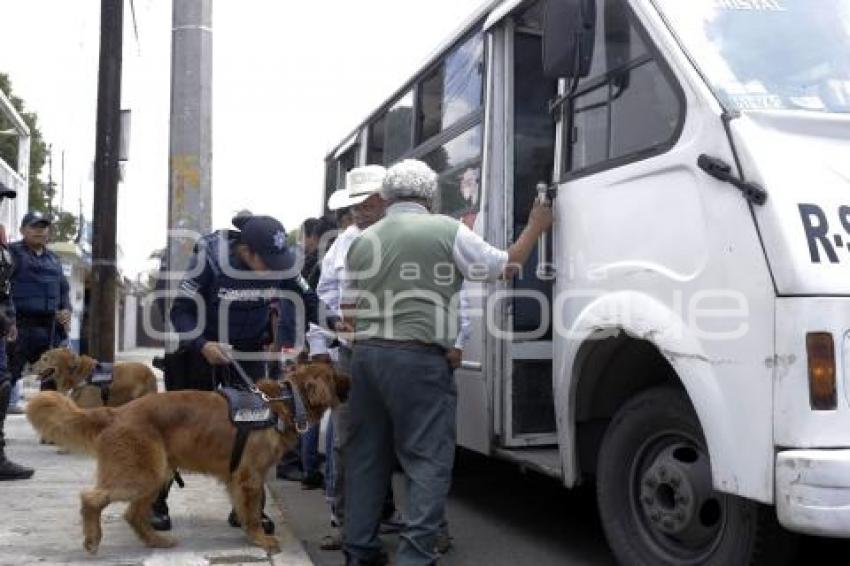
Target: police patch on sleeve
[{"x": 189, "y": 287}]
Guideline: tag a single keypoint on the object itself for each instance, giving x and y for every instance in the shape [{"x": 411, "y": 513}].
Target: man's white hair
[{"x": 409, "y": 179}]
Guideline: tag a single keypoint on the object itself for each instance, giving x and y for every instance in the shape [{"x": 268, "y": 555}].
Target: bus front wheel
[{"x": 656, "y": 499}]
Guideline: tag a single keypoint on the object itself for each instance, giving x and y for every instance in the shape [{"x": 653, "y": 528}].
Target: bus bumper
[{"x": 813, "y": 491}]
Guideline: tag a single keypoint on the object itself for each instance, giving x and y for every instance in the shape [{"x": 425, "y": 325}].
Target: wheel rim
[{"x": 677, "y": 511}]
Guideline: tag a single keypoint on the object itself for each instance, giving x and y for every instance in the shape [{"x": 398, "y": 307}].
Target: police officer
[
  {"x": 8, "y": 470},
  {"x": 233, "y": 274},
  {"x": 40, "y": 294}
]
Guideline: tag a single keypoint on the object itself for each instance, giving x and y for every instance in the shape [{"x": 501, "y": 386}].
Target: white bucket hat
[
  {"x": 338, "y": 200},
  {"x": 360, "y": 184},
  {"x": 364, "y": 182}
]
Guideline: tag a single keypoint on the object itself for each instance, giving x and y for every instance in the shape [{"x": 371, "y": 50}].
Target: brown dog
[
  {"x": 70, "y": 371},
  {"x": 138, "y": 447}
]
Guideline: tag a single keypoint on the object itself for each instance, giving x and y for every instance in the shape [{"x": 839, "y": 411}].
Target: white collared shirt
[{"x": 329, "y": 289}]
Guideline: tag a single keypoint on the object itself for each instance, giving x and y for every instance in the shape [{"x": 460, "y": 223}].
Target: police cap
[
  {"x": 34, "y": 217},
  {"x": 266, "y": 237}
]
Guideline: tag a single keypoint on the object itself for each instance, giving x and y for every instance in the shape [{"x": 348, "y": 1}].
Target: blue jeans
[
  {"x": 310, "y": 450},
  {"x": 329, "y": 466},
  {"x": 336, "y": 438},
  {"x": 403, "y": 404},
  {"x": 305, "y": 456},
  {"x": 15, "y": 398}
]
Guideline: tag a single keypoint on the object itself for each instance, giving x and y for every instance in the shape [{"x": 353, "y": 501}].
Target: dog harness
[
  {"x": 251, "y": 410},
  {"x": 101, "y": 377}
]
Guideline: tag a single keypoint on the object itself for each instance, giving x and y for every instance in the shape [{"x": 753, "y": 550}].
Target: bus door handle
[{"x": 545, "y": 269}]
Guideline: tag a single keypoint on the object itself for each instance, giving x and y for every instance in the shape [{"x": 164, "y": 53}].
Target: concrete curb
[{"x": 292, "y": 552}]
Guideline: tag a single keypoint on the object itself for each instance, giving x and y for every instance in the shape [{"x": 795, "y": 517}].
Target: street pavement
[
  {"x": 500, "y": 516},
  {"x": 40, "y": 519}
]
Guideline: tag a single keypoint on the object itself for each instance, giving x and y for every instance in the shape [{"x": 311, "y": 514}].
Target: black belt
[
  {"x": 412, "y": 345},
  {"x": 36, "y": 319}
]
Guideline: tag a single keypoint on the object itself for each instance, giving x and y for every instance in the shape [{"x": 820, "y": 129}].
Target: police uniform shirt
[
  {"x": 223, "y": 283},
  {"x": 39, "y": 287}
]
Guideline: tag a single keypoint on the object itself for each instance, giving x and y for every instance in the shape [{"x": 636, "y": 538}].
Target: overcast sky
[{"x": 290, "y": 79}]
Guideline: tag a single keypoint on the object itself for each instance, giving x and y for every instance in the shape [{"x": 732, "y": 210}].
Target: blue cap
[
  {"x": 266, "y": 237},
  {"x": 35, "y": 217}
]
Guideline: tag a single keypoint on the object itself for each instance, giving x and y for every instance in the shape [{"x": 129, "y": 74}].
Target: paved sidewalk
[{"x": 40, "y": 518}]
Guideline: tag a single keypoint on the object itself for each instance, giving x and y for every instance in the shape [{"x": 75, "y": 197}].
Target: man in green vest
[{"x": 405, "y": 275}]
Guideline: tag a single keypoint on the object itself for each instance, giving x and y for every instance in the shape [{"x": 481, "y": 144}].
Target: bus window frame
[
  {"x": 566, "y": 113},
  {"x": 434, "y": 67},
  {"x": 473, "y": 25},
  {"x": 383, "y": 113}
]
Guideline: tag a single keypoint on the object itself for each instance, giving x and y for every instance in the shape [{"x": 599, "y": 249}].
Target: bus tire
[{"x": 656, "y": 500}]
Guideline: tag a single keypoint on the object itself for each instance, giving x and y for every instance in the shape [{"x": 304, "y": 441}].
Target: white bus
[{"x": 687, "y": 344}]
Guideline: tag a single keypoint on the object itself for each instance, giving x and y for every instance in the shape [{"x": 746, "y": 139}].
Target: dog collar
[{"x": 292, "y": 397}]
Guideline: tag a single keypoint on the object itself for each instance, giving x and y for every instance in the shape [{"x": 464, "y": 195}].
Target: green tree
[
  {"x": 64, "y": 227},
  {"x": 40, "y": 194}
]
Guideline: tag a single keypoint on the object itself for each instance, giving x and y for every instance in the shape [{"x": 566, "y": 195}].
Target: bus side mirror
[{"x": 568, "y": 37}]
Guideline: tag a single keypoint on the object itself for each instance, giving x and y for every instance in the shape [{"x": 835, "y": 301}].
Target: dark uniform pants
[
  {"x": 32, "y": 342},
  {"x": 188, "y": 369},
  {"x": 5, "y": 391},
  {"x": 403, "y": 404}
]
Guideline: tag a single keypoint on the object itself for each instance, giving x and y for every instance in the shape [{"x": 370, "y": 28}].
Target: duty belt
[{"x": 35, "y": 319}]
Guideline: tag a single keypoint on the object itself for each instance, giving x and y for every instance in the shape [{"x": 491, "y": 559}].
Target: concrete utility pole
[
  {"x": 104, "y": 268},
  {"x": 189, "y": 191}
]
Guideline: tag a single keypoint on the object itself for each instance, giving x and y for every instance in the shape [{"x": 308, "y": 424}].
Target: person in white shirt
[{"x": 363, "y": 199}]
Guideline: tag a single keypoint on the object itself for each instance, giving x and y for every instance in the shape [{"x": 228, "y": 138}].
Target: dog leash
[{"x": 298, "y": 408}]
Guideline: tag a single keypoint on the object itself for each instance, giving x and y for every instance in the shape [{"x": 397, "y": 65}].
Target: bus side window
[
  {"x": 626, "y": 107},
  {"x": 390, "y": 135}
]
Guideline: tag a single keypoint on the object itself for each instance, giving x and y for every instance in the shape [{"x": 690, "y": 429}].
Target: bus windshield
[{"x": 768, "y": 54}]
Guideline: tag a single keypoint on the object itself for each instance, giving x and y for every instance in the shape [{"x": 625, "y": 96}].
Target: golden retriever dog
[
  {"x": 139, "y": 445},
  {"x": 130, "y": 380}
]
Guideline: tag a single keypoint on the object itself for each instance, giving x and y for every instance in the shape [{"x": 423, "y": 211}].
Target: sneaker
[
  {"x": 267, "y": 523},
  {"x": 332, "y": 541},
  {"x": 15, "y": 409},
  {"x": 288, "y": 473},
  {"x": 381, "y": 559},
  {"x": 392, "y": 524},
  {"x": 160, "y": 521},
  {"x": 442, "y": 542},
  {"x": 313, "y": 480}
]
